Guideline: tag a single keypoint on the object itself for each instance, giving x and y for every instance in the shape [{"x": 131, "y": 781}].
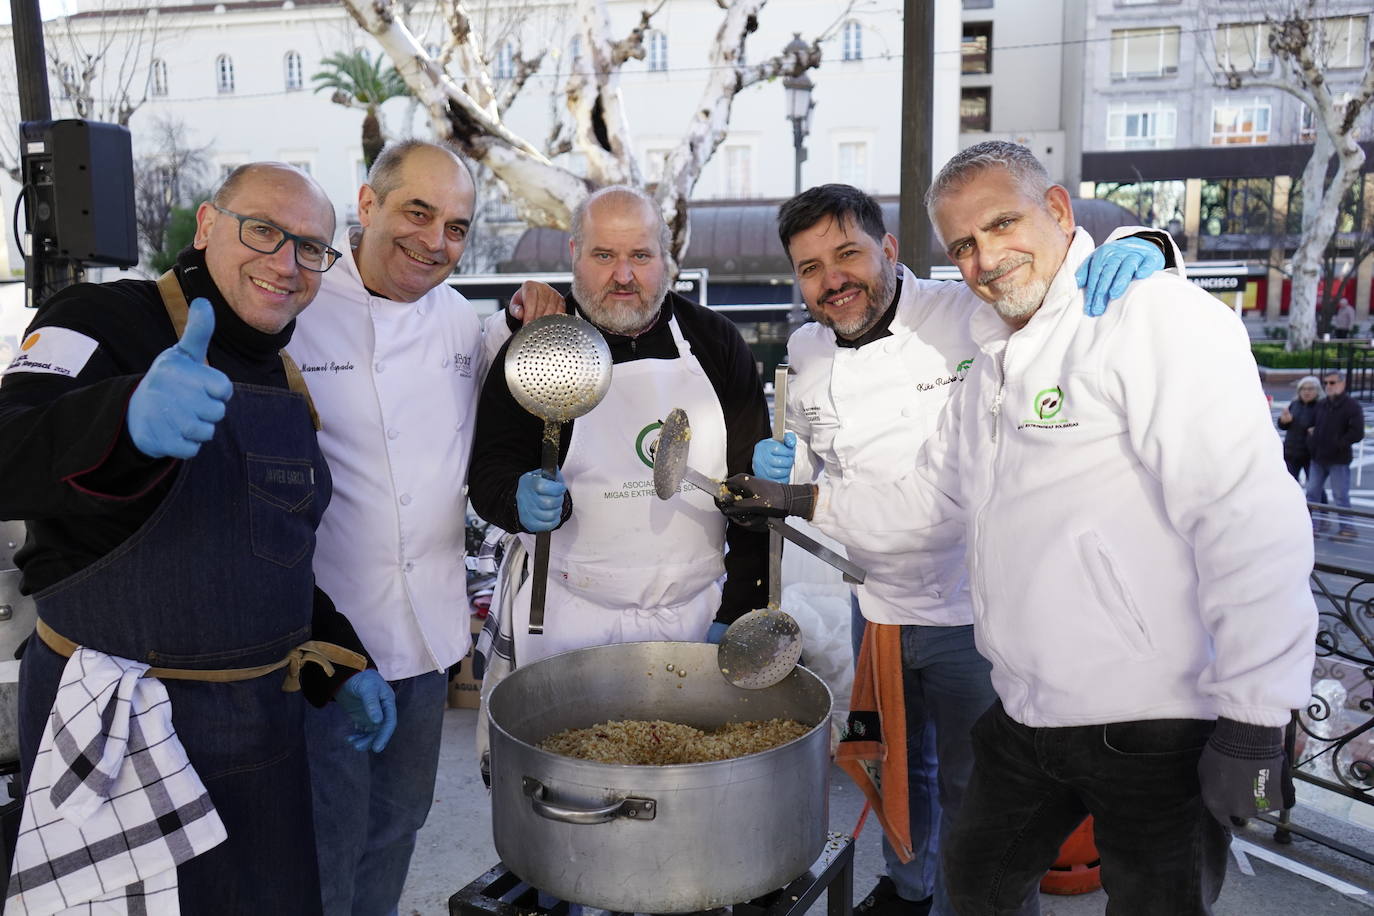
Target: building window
[
  {"x": 67, "y": 77},
  {"x": 975, "y": 109},
  {"x": 1144, "y": 52},
  {"x": 738, "y": 171},
  {"x": 851, "y": 163},
  {"x": 225, "y": 168},
  {"x": 294, "y": 75},
  {"x": 157, "y": 77},
  {"x": 1141, "y": 126},
  {"x": 575, "y": 48},
  {"x": 977, "y": 4},
  {"x": 1244, "y": 47},
  {"x": 505, "y": 62},
  {"x": 853, "y": 42},
  {"x": 658, "y": 51},
  {"x": 1345, "y": 40},
  {"x": 1240, "y": 122},
  {"x": 433, "y": 50},
  {"x": 224, "y": 73},
  {"x": 976, "y": 48},
  {"x": 302, "y": 164}
]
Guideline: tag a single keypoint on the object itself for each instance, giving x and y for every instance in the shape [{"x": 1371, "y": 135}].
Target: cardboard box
[{"x": 464, "y": 691}]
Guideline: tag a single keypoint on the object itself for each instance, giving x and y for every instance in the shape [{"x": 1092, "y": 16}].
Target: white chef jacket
[
  {"x": 862, "y": 413},
  {"x": 396, "y": 386}
]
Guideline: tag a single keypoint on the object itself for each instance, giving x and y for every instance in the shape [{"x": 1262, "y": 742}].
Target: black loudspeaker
[{"x": 79, "y": 181}]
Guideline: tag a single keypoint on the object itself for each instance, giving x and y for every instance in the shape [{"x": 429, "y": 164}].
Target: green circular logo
[
  {"x": 644, "y": 446},
  {"x": 1048, "y": 403}
]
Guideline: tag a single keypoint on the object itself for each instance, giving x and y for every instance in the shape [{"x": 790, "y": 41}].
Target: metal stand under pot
[{"x": 499, "y": 892}]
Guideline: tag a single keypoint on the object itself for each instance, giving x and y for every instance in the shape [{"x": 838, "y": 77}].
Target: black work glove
[
  {"x": 756, "y": 499},
  {"x": 1244, "y": 771}
]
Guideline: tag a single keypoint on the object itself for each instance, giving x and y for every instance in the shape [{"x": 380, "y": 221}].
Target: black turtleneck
[{"x": 68, "y": 465}]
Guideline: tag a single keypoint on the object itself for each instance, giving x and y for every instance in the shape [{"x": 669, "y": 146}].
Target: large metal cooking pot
[{"x": 667, "y": 839}]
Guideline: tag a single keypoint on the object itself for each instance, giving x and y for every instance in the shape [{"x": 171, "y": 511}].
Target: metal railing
[{"x": 1331, "y": 740}]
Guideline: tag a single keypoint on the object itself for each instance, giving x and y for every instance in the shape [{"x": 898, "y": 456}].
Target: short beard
[
  {"x": 626, "y": 320},
  {"x": 879, "y": 300},
  {"x": 1017, "y": 304}
]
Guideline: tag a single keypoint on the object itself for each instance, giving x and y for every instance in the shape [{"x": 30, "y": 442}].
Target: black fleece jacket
[{"x": 70, "y": 469}]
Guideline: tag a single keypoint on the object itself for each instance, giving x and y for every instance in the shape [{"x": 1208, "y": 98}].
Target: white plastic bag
[{"x": 823, "y": 611}]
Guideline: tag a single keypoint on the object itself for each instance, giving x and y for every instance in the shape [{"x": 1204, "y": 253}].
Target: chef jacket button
[
  {"x": 444, "y": 364},
  {"x": 405, "y": 499},
  {"x": 908, "y": 411},
  {"x": 408, "y": 566},
  {"x": 380, "y": 367},
  {"x": 392, "y": 434}
]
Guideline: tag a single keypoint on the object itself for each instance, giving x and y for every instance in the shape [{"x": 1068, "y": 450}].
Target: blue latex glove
[
  {"x": 716, "y": 632},
  {"x": 176, "y": 406},
  {"x": 371, "y": 704},
  {"x": 539, "y": 501},
  {"x": 773, "y": 459},
  {"x": 1111, "y": 268}
]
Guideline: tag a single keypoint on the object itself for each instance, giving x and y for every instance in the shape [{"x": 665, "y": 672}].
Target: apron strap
[
  {"x": 174, "y": 301},
  {"x": 312, "y": 652}
]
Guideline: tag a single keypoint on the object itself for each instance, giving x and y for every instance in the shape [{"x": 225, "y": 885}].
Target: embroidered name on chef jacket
[{"x": 55, "y": 351}]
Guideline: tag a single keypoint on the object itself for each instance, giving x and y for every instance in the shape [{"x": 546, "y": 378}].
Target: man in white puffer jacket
[
  {"x": 1138, "y": 557},
  {"x": 870, "y": 378}
]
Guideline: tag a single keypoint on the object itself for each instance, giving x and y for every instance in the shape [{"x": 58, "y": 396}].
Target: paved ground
[{"x": 455, "y": 847}]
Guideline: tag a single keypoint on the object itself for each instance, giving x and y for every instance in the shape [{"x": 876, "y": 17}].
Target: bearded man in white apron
[{"x": 624, "y": 565}]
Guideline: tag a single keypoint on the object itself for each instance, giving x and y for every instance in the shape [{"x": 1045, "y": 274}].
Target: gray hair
[
  {"x": 1028, "y": 172},
  {"x": 1309, "y": 380},
  {"x": 621, "y": 193},
  {"x": 385, "y": 174},
  {"x": 1338, "y": 373}
]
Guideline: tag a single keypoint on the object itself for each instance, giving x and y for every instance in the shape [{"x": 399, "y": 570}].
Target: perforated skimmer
[
  {"x": 558, "y": 368},
  {"x": 761, "y": 647}
]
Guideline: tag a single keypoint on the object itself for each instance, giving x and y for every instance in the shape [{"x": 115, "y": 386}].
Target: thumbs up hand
[{"x": 176, "y": 406}]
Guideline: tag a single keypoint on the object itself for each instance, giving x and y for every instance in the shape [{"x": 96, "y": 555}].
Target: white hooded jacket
[{"x": 1135, "y": 545}]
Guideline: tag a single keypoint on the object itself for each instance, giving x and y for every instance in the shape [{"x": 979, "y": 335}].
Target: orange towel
[{"x": 873, "y": 748}]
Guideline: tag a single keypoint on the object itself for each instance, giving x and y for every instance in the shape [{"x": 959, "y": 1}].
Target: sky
[{"x": 50, "y": 9}]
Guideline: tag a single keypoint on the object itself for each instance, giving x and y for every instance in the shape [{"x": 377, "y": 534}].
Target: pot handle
[{"x": 640, "y": 809}]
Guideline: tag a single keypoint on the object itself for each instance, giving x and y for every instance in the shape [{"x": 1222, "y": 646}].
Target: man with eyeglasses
[
  {"x": 171, "y": 489},
  {"x": 1339, "y": 425},
  {"x": 392, "y": 355}
]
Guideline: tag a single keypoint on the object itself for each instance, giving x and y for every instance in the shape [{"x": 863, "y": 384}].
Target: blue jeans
[
  {"x": 1339, "y": 476},
  {"x": 368, "y": 807},
  {"x": 947, "y": 687},
  {"x": 1163, "y": 853}
]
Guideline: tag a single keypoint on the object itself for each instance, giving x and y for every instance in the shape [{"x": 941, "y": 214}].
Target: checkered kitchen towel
[{"x": 113, "y": 805}]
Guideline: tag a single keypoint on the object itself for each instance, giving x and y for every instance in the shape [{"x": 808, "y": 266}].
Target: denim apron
[{"x": 218, "y": 577}]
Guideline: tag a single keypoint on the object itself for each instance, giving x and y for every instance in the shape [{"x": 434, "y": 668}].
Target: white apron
[{"x": 627, "y": 566}]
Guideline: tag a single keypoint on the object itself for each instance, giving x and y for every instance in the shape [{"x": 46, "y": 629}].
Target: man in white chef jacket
[{"x": 392, "y": 357}]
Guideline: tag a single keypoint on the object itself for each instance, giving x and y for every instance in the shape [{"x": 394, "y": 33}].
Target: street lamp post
[{"x": 799, "y": 105}]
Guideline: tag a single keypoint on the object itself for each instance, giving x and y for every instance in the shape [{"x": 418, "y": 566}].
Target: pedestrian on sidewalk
[
  {"x": 1339, "y": 425},
  {"x": 1297, "y": 419}
]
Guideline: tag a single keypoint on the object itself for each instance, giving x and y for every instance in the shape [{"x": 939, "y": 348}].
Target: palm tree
[{"x": 359, "y": 81}]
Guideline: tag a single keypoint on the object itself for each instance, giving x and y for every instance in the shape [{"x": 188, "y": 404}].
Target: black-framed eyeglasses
[
  {"x": 266, "y": 237},
  {"x": 1331, "y": 381}
]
